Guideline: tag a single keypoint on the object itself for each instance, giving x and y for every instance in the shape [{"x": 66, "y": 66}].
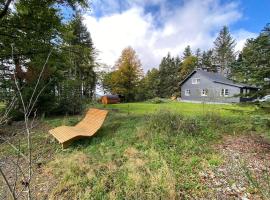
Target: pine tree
[
  {"x": 148, "y": 86},
  {"x": 224, "y": 50},
  {"x": 198, "y": 55},
  {"x": 252, "y": 65},
  {"x": 208, "y": 61},
  {"x": 187, "y": 52},
  {"x": 84, "y": 56},
  {"x": 169, "y": 76}
]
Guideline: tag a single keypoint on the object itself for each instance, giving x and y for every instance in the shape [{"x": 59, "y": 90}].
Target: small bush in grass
[
  {"x": 260, "y": 121},
  {"x": 265, "y": 106},
  {"x": 172, "y": 123},
  {"x": 157, "y": 100}
]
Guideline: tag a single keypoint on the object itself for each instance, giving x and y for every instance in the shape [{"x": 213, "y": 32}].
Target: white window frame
[
  {"x": 204, "y": 92},
  {"x": 187, "y": 92},
  {"x": 196, "y": 81},
  {"x": 224, "y": 92}
]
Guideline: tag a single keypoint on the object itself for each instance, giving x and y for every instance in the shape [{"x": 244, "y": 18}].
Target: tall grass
[{"x": 157, "y": 156}]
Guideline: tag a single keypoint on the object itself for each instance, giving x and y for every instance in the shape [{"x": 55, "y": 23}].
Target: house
[{"x": 206, "y": 86}]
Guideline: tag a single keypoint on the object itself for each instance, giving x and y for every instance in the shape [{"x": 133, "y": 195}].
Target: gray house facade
[{"x": 203, "y": 86}]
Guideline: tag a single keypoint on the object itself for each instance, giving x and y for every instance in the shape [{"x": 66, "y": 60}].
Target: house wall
[{"x": 214, "y": 90}]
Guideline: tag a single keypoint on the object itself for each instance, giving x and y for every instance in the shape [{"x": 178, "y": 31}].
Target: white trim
[
  {"x": 187, "y": 92},
  {"x": 204, "y": 92},
  {"x": 224, "y": 92},
  {"x": 195, "y": 81}
]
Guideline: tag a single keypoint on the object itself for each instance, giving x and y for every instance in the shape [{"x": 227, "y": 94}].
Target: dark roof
[
  {"x": 217, "y": 78},
  {"x": 110, "y": 96}
]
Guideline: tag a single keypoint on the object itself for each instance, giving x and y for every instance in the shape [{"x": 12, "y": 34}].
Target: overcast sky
[{"x": 155, "y": 27}]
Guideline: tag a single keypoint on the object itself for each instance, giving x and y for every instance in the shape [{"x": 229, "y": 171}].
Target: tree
[
  {"x": 125, "y": 79},
  {"x": 187, "y": 66},
  {"x": 208, "y": 61},
  {"x": 149, "y": 85},
  {"x": 169, "y": 76},
  {"x": 252, "y": 65},
  {"x": 33, "y": 29},
  {"x": 198, "y": 55},
  {"x": 81, "y": 56},
  {"x": 187, "y": 52},
  {"x": 224, "y": 50}
]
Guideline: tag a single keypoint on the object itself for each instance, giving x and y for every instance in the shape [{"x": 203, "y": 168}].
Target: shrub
[
  {"x": 265, "y": 106},
  {"x": 260, "y": 121},
  {"x": 158, "y": 100},
  {"x": 171, "y": 123}
]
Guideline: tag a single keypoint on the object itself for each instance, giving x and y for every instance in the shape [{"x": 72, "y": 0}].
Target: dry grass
[{"x": 135, "y": 177}]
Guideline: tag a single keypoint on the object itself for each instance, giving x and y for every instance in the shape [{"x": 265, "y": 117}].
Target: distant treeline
[{"x": 251, "y": 66}]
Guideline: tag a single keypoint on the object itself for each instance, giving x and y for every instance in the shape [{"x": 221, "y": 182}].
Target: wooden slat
[{"x": 92, "y": 121}]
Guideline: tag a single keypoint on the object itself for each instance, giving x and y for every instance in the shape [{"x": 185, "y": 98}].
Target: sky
[{"x": 155, "y": 27}]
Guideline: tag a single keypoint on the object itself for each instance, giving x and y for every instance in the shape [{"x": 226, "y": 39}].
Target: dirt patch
[
  {"x": 245, "y": 172},
  {"x": 43, "y": 150}
]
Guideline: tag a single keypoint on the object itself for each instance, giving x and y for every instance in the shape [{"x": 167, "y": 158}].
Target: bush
[
  {"x": 171, "y": 123},
  {"x": 260, "y": 121},
  {"x": 157, "y": 100},
  {"x": 265, "y": 106}
]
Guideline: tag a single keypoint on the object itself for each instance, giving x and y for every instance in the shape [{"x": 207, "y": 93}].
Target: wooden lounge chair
[{"x": 92, "y": 121}]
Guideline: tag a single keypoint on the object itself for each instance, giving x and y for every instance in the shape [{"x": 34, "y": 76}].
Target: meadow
[{"x": 147, "y": 151}]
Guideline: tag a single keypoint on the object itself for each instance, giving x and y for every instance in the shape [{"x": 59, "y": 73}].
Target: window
[
  {"x": 196, "y": 81},
  {"x": 224, "y": 92},
  {"x": 187, "y": 92},
  {"x": 204, "y": 92}
]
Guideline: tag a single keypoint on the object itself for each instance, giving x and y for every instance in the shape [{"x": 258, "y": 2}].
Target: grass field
[
  {"x": 139, "y": 154},
  {"x": 145, "y": 151}
]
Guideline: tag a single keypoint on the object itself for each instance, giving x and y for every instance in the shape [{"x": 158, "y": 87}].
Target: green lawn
[
  {"x": 183, "y": 108},
  {"x": 144, "y": 151}
]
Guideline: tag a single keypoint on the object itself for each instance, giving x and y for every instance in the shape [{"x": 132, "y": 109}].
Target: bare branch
[
  {"x": 16, "y": 170},
  {"x": 38, "y": 97},
  {"x": 8, "y": 184},
  {"x": 4, "y": 118},
  {"x": 14, "y": 147}
]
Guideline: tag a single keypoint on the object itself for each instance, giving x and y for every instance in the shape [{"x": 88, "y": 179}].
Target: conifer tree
[
  {"x": 198, "y": 55},
  {"x": 169, "y": 76},
  {"x": 208, "y": 61},
  {"x": 224, "y": 50},
  {"x": 252, "y": 65},
  {"x": 84, "y": 56},
  {"x": 187, "y": 52}
]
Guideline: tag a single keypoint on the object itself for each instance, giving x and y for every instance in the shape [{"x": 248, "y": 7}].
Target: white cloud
[
  {"x": 194, "y": 23},
  {"x": 241, "y": 36}
]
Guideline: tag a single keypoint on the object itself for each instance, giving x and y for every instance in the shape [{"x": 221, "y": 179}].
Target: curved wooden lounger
[{"x": 92, "y": 121}]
